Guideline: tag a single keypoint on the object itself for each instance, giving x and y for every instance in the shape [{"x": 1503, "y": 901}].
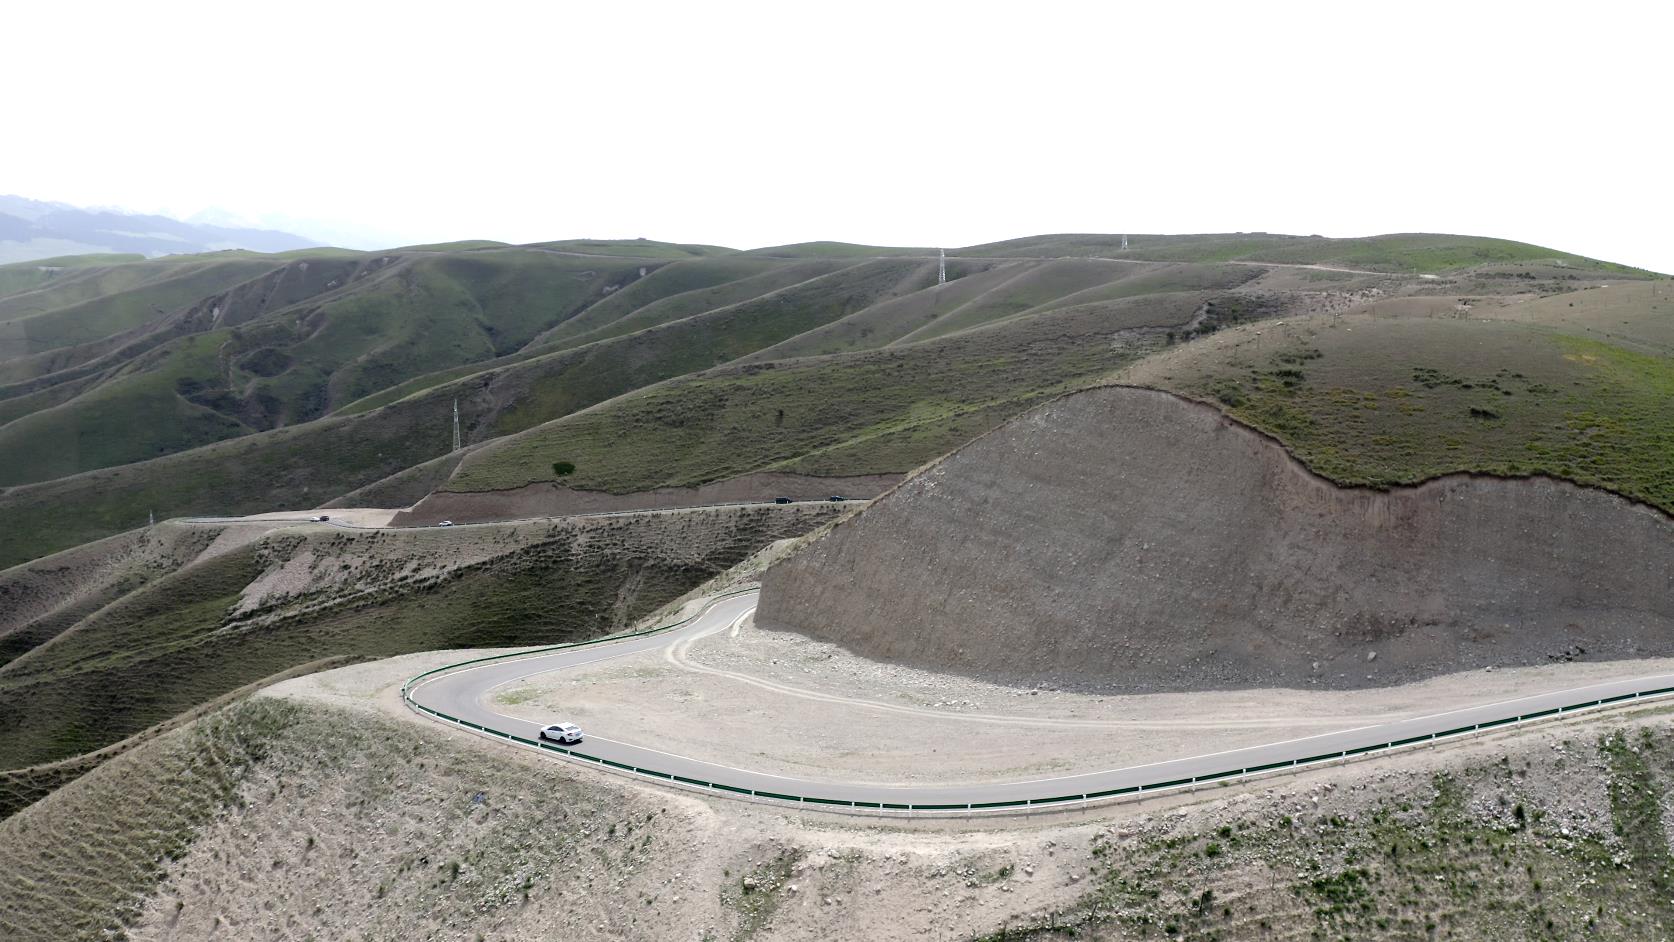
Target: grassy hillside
[
  {"x": 880, "y": 411},
  {"x": 134, "y": 416},
  {"x": 672, "y": 292},
  {"x": 837, "y": 250},
  {"x": 18, "y": 277},
  {"x": 634, "y": 248},
  {"x": 1492, "y": 850},
  {"x": 1576, "y": 386},
  {"x": 1421, "y": 252},
  {"x": 296, "y": 596},
  {"x": 106, "y": 301},
  {"x": 286, "y": 348},
  {"x": 299, "y": 466},
  {"x": 293, "y": 366},
  {"x": 40, "y": 599},
  {"x": 1406, "y": 253},
  {"x": 562, "y": 383}
]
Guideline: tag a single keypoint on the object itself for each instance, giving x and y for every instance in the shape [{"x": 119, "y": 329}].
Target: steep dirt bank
[
  {"x": 1128, "y": 539},
  {"x": 553, "y": 500}
]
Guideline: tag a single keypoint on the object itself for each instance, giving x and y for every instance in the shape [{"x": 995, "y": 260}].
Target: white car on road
[{"x": 567, "y": 733}]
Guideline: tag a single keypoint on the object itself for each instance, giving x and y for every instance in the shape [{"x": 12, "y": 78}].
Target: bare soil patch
[{"x": 1127, "y": 540}]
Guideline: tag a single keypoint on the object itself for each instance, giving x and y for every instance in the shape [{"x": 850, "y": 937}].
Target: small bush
[{"x": 563, "y": 468}]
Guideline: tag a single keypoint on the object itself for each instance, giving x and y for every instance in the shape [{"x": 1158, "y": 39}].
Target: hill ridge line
[{"x": 1267, "y": 437}]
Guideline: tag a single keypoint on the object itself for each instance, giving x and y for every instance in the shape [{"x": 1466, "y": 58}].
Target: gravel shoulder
[{"x": 780, "y": 703}]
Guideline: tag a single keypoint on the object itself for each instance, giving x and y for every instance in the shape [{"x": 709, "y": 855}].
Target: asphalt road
[{"x": 464, "y": 693}]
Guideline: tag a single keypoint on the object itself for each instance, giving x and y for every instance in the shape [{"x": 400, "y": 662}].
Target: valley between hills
[{"x": 1090, "y": 503}]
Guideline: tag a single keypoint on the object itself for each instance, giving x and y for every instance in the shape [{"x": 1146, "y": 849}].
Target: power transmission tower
[
  {"x": 152, "y": 514},
  {"x": 456, "y": 425},
  {"x": 1124, "y": 242},
  {"x": 941, "y": 267}
]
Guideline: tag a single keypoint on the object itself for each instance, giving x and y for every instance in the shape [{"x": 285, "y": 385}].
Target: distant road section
[
  {"x": 373, "y": 519},
  {"x": 464, "y": 694}
]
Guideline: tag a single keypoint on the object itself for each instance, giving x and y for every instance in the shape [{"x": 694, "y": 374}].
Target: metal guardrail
[{"x": 967, "y": 808}]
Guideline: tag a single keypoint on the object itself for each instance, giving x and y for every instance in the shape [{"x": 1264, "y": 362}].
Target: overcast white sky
[{"x": 892, "y": 123}]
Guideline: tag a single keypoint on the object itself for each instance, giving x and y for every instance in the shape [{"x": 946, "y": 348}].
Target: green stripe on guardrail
[{"x": 406, "y": 689}]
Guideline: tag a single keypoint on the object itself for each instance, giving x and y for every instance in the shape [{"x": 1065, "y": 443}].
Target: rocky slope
[{"x": 1129, "y": 539}]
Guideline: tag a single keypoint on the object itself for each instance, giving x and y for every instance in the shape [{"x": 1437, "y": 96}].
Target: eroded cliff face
[{"x": 1127, "y": 538}]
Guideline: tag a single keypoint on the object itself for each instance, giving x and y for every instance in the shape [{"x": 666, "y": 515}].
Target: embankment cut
[{"x": 1127, "y": 538}]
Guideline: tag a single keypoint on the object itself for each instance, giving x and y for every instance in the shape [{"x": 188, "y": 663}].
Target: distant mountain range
[{"x": 31, "y": 229}]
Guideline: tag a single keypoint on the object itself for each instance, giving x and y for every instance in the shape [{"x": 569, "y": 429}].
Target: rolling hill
[
  {"x": 1295, "y": 414},
  {"x": 235, "y": 381}
]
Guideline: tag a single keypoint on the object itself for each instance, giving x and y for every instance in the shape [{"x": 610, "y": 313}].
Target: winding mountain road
[{"x": 463, "y": 694}]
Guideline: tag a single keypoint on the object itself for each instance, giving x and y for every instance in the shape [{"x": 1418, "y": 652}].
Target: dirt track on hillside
[
  {"x": 553, "y": 500},
  {"x": 1126, "y": 539}
]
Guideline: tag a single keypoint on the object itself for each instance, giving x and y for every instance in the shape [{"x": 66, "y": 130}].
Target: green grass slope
[
  {"x": 565, "y": 382},
  {"x": 19, "y": 277},
  {"x": 1034, "y": 287},
  {"x": 137, "y": 415},
  {"x": 1404, "y": 253},
  {"x": 1576, "y": 386},
  {"x": 883, "y": 323},
  {"x": 712, "y": 282},
  {"x": 294, "y": 467},
  {"x": 358, "y": 366},
  {"x": 634, "y": 248},
  {"x": 1214, "y": 247},
  {"x": 303, "y": 465},
  {"x": 348, "y": 330},
  {"x": 837, "y": 250},
  {"x": 111, "y": 300},
  {"x": 870, "y": 412},
  {"x": 427, "y": 314},
  {"x": 76, "y": 279},
  {"x": 1424, "y": 252},
  {"x": 681, "y": 290},
  {"x": 42, "y": 598}
]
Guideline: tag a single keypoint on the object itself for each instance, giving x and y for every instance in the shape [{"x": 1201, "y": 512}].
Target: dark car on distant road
[
  {"x": 836, "y": 497},
  {"x": 781, "y": 500}
]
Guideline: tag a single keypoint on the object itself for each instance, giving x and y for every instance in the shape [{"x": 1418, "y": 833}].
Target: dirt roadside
[
  {"x": 730, "y": 869},
  {"x": 788, "y": 705}
]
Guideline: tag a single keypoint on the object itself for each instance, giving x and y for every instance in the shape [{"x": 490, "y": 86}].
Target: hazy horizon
[
  {"x": 215, "y": 217},
  {"x": 754, "y": 124}
]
